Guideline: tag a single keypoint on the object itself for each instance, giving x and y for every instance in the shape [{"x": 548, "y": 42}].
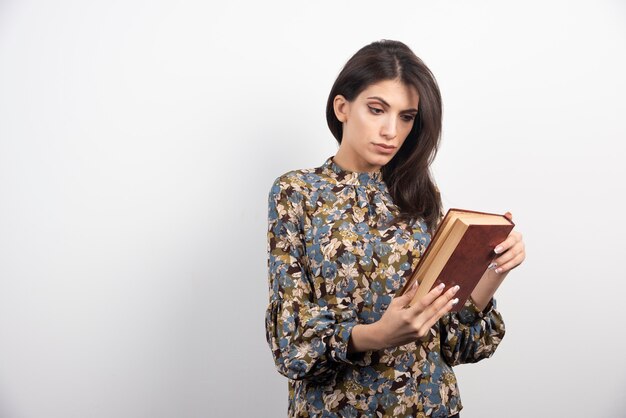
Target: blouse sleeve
[
  {"x": 471, "y": 335},
  {"x": 308, "y": 336}
]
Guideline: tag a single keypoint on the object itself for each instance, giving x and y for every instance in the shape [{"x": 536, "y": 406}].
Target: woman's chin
[{"x": 380, "y": 160}]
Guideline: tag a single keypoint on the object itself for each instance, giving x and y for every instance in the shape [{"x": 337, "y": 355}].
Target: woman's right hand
[{"x": 402, "y": 324}]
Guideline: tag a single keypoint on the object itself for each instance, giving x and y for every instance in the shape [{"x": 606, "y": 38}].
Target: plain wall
[{"x": 138, "y": 144}]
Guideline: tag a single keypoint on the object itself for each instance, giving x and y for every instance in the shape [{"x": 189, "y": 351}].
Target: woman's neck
[{"x": 349, "y": 163}]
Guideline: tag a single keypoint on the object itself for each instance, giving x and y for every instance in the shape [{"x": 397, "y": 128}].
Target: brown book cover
[{"x": 459, "y": 253}]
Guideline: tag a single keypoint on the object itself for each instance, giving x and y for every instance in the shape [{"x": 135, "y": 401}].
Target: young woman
[{"x": 345, "y": 236}]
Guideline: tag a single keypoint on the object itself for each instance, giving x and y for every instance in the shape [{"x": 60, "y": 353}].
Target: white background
[{"x": 138, "y": 143}]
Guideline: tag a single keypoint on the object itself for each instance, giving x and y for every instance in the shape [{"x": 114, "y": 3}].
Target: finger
[
  {"x": 433, "y": 301},
  {"x": 509, "y": 255},
  {"x": 503, "y": 259},
  {"x": 443, "y": 300},
  {"x": 447, "y": 307},
  {"x": 407, "y": 297},
  {"x": 427, "y": 299},
  {"x": 511, "y": 264},
  {"x": 509, "y": 216},
  {"x": 513, "y": 238}
]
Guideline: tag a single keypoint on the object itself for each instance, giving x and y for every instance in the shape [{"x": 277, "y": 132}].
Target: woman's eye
[
  {"x": 375, "y": 110},
  {"x": 408, "y": 118}
]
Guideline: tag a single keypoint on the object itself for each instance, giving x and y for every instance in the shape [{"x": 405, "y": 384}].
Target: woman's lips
[{"x": 385, "y": 149}]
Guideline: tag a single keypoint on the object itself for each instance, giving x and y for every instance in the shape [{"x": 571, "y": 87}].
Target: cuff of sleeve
[
  {"x": 470, "y": 313},
  {"x": 340, "y": 340}
]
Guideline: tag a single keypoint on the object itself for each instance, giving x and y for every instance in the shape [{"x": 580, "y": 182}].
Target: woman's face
[{"x": 375, "y": 124}]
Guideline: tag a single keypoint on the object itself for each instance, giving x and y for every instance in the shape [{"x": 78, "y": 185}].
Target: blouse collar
[{"x": 332, "y": 169}]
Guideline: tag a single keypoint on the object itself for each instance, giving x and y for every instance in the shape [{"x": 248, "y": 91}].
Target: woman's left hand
[{"x": 511, "y": 251}]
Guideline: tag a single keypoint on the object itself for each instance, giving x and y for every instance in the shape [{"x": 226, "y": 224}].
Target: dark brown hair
[{"x": 407, "y": 175}]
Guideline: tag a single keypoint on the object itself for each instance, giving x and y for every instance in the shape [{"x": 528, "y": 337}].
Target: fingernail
[
  {"x": 455, "y": 301},
  {"x": 456, "y": 288},
  {"x": 492, "y": 265},
  {"x": 498, "y": 249},
  {"x": 441, "y": 286},
  {"x": 498, "y": 270}
]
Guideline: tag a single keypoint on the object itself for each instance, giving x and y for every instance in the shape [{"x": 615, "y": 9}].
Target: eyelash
[{"x": 377, "y": 111}]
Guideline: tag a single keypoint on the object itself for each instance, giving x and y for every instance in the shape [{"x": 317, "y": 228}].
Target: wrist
[{"x": 365, "y": 337}]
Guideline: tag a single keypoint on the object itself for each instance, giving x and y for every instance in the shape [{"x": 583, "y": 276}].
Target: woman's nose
[{"x": 389, "y": 128}]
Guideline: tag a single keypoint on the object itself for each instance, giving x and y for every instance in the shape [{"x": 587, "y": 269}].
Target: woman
[{"x": 345, "y": 236}]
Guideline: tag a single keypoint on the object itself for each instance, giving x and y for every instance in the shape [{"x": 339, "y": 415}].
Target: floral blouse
[{"x": 334, "y": 261}]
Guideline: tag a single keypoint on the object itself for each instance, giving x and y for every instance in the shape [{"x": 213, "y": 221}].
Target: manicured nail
[
  {"x": 498, "y": 270},
  {"x": 441, "y": 286},
  {"x": 492, "y": 265},
  {"x": 498, "y": 249},
  {"x": 455, "y": 301},
  {"x": 456, "y": 288}
]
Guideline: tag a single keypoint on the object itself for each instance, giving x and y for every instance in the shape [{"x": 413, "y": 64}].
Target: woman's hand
[
  {"x": 512, "y": 251},
  {"x": 402, "y": 324}
]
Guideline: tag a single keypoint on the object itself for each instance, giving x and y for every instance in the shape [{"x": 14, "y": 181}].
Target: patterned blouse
[{"x": 334, "y": 261}]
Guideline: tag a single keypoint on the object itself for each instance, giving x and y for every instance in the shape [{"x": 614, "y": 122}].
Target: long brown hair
[{"x": 407, "y": 175}]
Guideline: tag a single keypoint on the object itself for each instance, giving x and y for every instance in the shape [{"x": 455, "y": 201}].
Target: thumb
[{"x": 509, "y": 216}]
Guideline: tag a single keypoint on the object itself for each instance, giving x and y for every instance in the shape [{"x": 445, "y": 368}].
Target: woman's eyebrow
[{"x": 380, "y": 99}]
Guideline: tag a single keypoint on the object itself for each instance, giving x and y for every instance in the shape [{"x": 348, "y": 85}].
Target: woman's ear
[{"x": 341, "y": 107}]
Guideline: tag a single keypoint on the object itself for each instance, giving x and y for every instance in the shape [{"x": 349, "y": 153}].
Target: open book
[{"x": 459, "y": 253}]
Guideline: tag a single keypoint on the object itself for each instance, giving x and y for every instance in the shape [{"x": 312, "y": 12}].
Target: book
[{"x": 459, "y": 253}]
